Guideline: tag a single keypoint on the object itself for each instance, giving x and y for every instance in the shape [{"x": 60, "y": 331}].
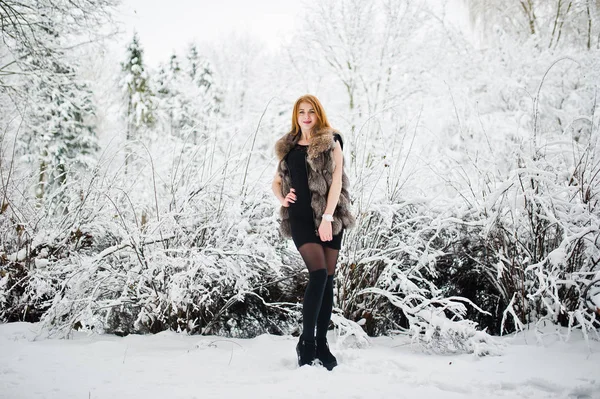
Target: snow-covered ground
[{"x": 171, "y": 365}]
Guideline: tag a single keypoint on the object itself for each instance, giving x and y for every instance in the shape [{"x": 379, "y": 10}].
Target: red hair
[{"x": 319, "y": 111}]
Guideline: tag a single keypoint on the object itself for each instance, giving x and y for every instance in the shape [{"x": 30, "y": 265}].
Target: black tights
[{"x": 318, "y": 297}]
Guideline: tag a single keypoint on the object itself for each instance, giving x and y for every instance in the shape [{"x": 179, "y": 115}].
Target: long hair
[{"x": 319, "y": 111}]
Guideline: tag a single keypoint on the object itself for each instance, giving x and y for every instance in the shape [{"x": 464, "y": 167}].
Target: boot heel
[
  {"x": 306, "y": 352},
  {"x": 324, "y": 354}
]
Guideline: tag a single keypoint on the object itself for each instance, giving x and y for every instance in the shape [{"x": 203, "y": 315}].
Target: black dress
[{"x": 301, "y": 213}]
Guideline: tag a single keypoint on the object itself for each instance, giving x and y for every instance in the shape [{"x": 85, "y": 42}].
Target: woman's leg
[
  {"x": 331, "y": 256},
  {"x": 322, "y": 351},
  {"x": 314, "y": 258}
]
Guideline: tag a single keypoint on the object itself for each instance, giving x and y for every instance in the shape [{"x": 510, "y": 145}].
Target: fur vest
[{"x": 320, "y": 175}]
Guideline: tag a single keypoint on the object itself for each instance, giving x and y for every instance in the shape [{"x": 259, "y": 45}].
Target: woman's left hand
[{"x": 325, "y": 232}]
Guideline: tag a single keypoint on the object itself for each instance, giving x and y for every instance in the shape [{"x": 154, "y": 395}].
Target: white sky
[
  {"x": 167, "y": 26},
  {"x": 171, "y": 25}
]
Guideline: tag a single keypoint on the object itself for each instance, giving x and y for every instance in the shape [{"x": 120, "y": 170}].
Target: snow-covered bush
[
  {"x": 197, "y": 268},
  {"x": 387, "y": 282}
]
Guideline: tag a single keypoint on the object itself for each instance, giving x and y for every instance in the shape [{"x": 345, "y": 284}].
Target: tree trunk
[
  {"x": 559, "y": 5},
  {"x": 589, "y": 41},
  {"x": 39, "y": 192},
  {"x": 561, "y": 24},
  {"x": 128, "y": 135},
  {"x": 530, "y": 13}
]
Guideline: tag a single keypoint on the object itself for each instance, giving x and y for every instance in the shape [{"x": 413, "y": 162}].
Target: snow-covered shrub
[
  {"x": 186, "y": 254},
  {"x": 230, "y": 284},
  {"x": 507, "y": 220},
  {"x": 192, "y": 271},
  {"x": 386, "y": 283},
  {"x": 530, "y": 187}
]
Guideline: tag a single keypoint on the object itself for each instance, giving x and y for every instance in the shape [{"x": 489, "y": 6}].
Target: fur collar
[{"x": 319, "y": 143}]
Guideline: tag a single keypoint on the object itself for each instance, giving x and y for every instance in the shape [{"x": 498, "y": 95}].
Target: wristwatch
[{"x": 328, "y": 217}]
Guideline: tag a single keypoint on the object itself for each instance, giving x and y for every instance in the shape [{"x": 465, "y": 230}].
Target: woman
[{"x": 315, "y": 209}]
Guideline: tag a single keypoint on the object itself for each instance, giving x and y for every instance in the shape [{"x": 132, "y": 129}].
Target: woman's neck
[{"x": 305, "y": 136}]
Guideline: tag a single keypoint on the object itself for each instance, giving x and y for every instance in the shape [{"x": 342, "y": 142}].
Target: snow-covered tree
[
  {"x": 188, "y": 97},
  {"x": 203, "y": 78},
  {"x": 552, "y": 24},
  {"x": 139, "y": 96},
  {"x": 24, "y": 23},
  {"x": 175, "y": 106},
  {"x": 58, "y": 137},
  {"x": 199, "y": 70}
]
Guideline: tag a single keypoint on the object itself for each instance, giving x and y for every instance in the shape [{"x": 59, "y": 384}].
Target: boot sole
[{"x": 329, "y": 366}]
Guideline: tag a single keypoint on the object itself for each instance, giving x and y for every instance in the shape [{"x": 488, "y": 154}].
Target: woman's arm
[
  {"x": 336, "y": 183},
  {"x": 276, "y": 187}
]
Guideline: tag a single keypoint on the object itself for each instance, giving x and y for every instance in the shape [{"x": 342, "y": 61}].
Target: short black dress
[{"x": 301, "y": 213}]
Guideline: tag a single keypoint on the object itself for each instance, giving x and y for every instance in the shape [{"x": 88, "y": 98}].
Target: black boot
[
  {"x": 306, "y": 351},
  {"x": 324, "y": 355}
]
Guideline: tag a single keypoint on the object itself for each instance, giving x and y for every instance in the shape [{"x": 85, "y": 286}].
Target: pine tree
[
  {"x": 202, "y": 77},
  {"x": 206, "y": 94},
  {"x": 193, "y": 61},
  {"x": 188, "y": 99},
  {"x": 59, "y": 136},
  {"x": 174, "y": 65},
  {"x": 174, "y": 106},
  {"x": 136, "y": 87}
]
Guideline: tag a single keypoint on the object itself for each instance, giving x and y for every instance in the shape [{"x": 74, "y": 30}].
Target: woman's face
[{"x": 307, "y": 118}]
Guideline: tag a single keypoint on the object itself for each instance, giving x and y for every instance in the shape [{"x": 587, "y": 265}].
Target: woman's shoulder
[
  {"x": 283, "y": 145},
  {"x": 323, "y": 141},
  {"x": 334, "y": 134},
  {"x": 338, "y": 137}
]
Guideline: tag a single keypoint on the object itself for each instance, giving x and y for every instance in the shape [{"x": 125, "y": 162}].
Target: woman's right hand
[{"x": 290, "y": 198}]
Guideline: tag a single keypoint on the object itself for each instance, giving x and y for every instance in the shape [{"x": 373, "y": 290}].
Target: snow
[
  {"x": 596, "y": 300},
  {"x": 41, "y": 263},
  {"x": 181, "y": 366},
  {"x": 557, "y": 257},
  {"x": 19, "y": 256}
]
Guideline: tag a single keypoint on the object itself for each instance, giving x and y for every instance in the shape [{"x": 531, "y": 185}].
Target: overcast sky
[{"x": 170, "y": 25}]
